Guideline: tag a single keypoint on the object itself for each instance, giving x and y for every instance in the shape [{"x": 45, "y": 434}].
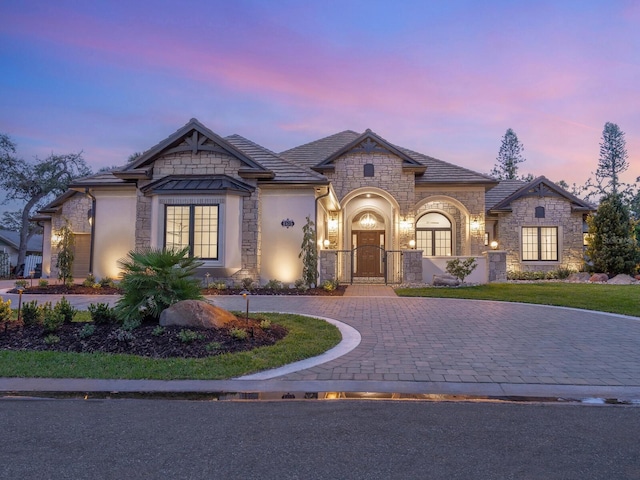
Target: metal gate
[{"x": 369, "y": 264}]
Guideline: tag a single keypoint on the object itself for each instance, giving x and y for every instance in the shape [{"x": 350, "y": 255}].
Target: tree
[
  {"x": 36, "y": 183},
  {"x": 309, "y": 253},
  {"x": 66, "y": 256},
  {"x": 12, "y": 221},
  {"x": 612, "y": 162},
  {"x": 509, "y": 156},
  {"x": 612, "y": 246}
]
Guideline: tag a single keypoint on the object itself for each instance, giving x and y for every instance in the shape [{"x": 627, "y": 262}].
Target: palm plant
[{"x": 155, "y": 279}]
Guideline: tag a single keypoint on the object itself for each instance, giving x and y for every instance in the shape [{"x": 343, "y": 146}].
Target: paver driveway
[{"x": 468, "y": 341}]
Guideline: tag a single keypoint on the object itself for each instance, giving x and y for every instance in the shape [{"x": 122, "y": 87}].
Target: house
[
  {"x": 381, "y": 212},
  {"x": 10, "y": 246}
]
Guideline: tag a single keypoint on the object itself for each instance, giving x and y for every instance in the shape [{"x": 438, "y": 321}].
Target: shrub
[
  {"x": 43, "y": 282},
  {"x": 213, "y": 346},
  {"x": 87, "y": 330},
  {"x": 219, "y": 285},
  {"x": 101, "y": 313},
  {"x": 238, "y": 333},
  {"x": 64, "y": 308},
  {"x": 53, "y": 319},
  {"x": 51, "y": 339},
  {"x": 107, "y": 282},
  {"x": 461, "y": 269},
  {"x": 122, "y": 335},
  {"x": 188, "y": 336},
  {"x": 275, "y": 285},
  {"x": 155, "y": 279},
  {"x": 247, "y": 283},
  {"x": 21, "y": 284},
  {"x": 301, "y": 285},
  {"x": 265, "y": 324},
  {"x": 130, "y": 324},
  {"x": 158, "y": 331},
  {"x": 89, "y": 281},
  {"x": 5, "y": 310},
  {"x": 32, "y": 313},
  {"x": 330, "y": 285}
]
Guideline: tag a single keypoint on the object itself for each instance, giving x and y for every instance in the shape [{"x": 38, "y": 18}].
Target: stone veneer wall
[
  {"x": 557, "y": 214},
  {"x": 206, "y": 163},
  {"x": 75, "y": 210},
  {"x": 328, "y": 265},
  {"x": 388, "y": 176},
  {"x": 412, "y": 266},
  {"x": 496, "y": 266},
  {"x": 473, "y": 200}
]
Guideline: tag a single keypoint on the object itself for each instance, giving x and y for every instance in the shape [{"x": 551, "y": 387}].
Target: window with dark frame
[
  {"x": 433, "y": 235},
  {"x": 368, "y": 170},
  {"x": 539, "y": 212},
  {"x": 539, "y": 244},
  {"x": 196, "y": 226}
]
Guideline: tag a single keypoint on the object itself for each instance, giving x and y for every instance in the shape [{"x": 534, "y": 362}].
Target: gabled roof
[
  {"x": 12, "y": 239},
  {"x": 437, "y": 171},
  {"x": 311, "y": 153},
  {"x": 501, "y": 191},
  {"x": 542, "y": 187},
  {"x": 193, "y": 137},
  {"x": 284, "y": 170},
  {"x": 369, "y": 142},
  {"x": 198, "y": 184}
]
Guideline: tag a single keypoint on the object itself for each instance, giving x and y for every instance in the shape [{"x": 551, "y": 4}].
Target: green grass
[
  {"x": 307, "y": 338},
  {"x": 623, "y": 299}
]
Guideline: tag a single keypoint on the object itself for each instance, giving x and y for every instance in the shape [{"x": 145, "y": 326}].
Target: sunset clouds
[{"x": 111, "y": 78}]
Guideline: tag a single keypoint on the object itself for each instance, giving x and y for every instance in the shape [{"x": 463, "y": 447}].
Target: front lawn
[
  {"x": 623, "y": 299},
  {"x": 307, "y": 338}
]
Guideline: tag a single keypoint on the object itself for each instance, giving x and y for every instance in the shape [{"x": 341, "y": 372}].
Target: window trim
[
  {"x": 433, "y": 236},
  {"x": 192, "y": 207},
  {"x": 538, "y": 229}
]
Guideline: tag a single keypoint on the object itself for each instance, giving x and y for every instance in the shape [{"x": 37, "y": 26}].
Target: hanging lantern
[{"x": 368, "y": 221}]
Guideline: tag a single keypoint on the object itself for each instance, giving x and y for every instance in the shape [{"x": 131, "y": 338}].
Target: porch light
[
  {"x": 333, "y": 224},
  {"x": 326, "y": 242},
  {"x": 412, "y": 243},
  {"x": 368, "y": 221},
  {"x": 475, "y": 224},
  {"x": 404, "y": 225},
  {"x": 494, "y": 245}
]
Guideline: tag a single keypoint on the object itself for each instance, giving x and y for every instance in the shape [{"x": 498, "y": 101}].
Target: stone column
[
  {"x": 412, "y": 266},
  {"x": 496, "y": 265},
  {"x": 328, "y": 262}
]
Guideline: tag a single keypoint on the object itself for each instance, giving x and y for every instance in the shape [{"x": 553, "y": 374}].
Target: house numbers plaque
[{"x": 288, "y": 223}]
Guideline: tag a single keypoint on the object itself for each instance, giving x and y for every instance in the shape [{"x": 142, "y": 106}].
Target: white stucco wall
[
  {"x": 438, "y": 265},
  {"x": 115, "y": 218},
  {"x": 281, "y": 245}
]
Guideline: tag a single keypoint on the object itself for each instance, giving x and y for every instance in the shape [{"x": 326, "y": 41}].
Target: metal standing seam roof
[{"x": 198, "y": 183}]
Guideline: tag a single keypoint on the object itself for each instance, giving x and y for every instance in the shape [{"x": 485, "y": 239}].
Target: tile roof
[
  {"x": 99, "y": 179},
  {"x": 501, "y": 191},
  {"x": 285, "y": 170},
  {"x": 438, "y": 171}
]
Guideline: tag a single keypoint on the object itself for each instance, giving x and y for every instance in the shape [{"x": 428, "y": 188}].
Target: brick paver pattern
[{"x": 446, "y": 340}]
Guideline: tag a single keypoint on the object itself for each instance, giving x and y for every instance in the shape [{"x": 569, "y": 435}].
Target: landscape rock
[
  {"x": 195, "y": 313},
  {"x": 580, "y": 277},
  {"x": 445, "y": 280},
  {"x": 599, "y": 278},
  {"x": 622, "y": 279}
]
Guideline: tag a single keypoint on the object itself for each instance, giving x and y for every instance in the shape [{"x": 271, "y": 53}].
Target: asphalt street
[{"x": 340, "y": 439}]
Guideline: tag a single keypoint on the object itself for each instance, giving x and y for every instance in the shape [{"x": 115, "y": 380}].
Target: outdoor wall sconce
[
  {"x": 412, "y": 243},
  {"x": 405, "y": 225},
  {"x": 90, "y": 216},
  {"x": 475, "y": 224},
  {"x": 494, "y": 245},
  {"x": 333, "y": 224},
  {"x": 326, "y": 242}
]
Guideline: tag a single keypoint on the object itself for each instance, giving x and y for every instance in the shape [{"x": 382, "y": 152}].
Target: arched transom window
[{"x": 433, "y": 235}]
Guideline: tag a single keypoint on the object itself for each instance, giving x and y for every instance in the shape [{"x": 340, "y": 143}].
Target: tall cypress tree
[{"x": 509, "y": 156}]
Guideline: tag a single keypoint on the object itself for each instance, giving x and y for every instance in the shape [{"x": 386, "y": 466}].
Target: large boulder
[
  {"x": 445, "y": 280},
  {"x": 195, "y": 313},
  {"x": 580, "y": 277},
  {"x": 599, "y": 278},
  {"x": 622, "y": 279}
]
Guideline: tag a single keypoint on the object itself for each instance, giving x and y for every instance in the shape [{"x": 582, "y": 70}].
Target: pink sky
[{"x": 442, "y": 78}]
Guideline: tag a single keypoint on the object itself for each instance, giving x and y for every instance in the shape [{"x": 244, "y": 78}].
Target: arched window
[{"x": 433, "y": 235}]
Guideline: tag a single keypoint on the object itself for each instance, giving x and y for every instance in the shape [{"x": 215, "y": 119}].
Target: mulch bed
[
  {"x": 82, "y": 290},
  {"x": 142, "y": 341}
]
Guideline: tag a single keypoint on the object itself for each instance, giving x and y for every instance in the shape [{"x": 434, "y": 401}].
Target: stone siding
[
  {"x": 412, "y": 266},
  {"x": 496, "y": 266},
  {"x": 388, "y": 176},
  {"x": 206, "y": 163},
  {"x": 328, "y": 265},
  {"x": 75, "y": 210},
  {"x": 557, "y": 214}
]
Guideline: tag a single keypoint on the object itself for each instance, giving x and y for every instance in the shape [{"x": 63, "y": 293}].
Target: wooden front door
[{"x": 369, "y": 253}]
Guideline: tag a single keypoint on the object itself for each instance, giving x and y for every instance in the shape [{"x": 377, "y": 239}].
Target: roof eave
[{"x": 250, "y": 173}]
